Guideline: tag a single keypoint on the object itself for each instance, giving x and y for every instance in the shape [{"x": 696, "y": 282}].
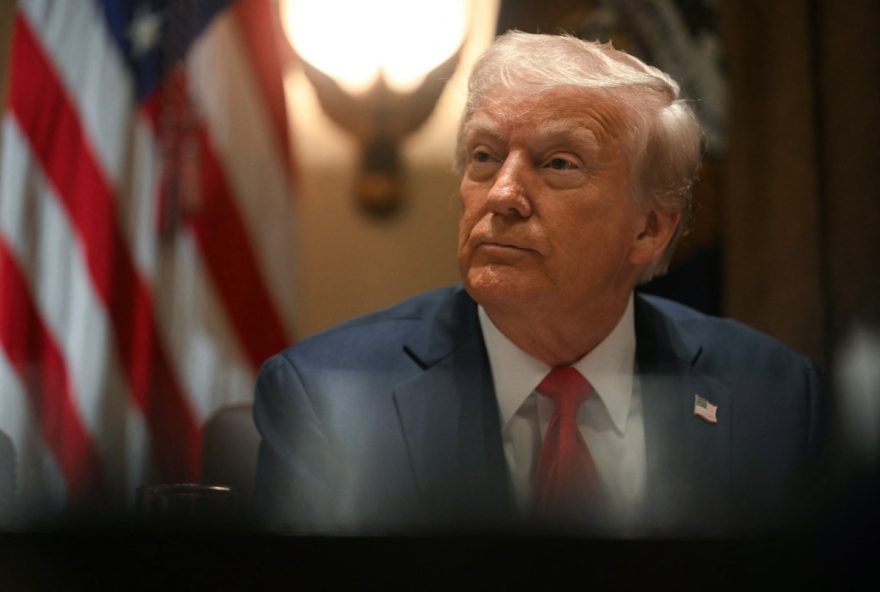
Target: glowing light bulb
[{"x": 354, "y": 41}]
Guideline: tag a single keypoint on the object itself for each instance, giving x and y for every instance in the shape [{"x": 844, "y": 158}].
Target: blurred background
[{"x": 188, "y": 187}]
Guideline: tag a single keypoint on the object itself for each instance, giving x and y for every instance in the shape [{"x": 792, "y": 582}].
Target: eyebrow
[
  {"x": 554, "y": 131},
  {"x": 567, "y": 130}
]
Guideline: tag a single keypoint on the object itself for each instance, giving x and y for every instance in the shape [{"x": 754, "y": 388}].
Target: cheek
[
  {"x": 470, "y": 212},
  {"x": 468, "y": 192},
  {"x": 584, "y": 238}
]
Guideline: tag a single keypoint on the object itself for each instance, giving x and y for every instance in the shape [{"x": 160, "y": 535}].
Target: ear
[{"x": 659, "y": 228}]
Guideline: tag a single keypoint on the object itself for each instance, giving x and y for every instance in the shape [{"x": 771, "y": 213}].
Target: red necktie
[{"x": 567, "y": 480}]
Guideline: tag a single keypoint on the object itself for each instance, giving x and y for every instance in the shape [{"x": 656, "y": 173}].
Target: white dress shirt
[{"x": 611, "y": 423}]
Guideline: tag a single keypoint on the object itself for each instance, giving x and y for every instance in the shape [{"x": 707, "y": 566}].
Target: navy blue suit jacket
[{"x": 389, "y": 423}]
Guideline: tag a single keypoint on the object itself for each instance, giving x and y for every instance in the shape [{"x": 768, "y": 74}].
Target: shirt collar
[{"x": 609, "y": 367}]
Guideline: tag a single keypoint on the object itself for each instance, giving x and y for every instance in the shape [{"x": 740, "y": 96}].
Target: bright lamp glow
[{"x": 354, "y": 40}]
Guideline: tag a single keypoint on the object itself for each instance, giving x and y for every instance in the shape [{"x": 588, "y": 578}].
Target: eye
[
  {"x": 560, "y": 164},
  {"x": 481, "y": 156},
  {"x": 482, "y": 164}
]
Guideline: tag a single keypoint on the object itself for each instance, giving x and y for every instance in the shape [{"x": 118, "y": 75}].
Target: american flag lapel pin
[{"x": 705, "y": 410}]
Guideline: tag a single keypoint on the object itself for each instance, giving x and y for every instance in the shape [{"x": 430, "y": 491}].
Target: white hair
[{"x": 664, "y": 136}]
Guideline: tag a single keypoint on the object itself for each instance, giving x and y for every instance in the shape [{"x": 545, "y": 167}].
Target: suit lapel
[
  {"x": 688, "y": 458},
  {"x": 449, "y": 418}
]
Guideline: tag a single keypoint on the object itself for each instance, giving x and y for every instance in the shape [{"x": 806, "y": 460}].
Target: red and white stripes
[{"x": 118, "y": 344}]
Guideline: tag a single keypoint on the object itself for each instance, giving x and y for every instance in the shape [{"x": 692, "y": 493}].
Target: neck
[{"x": 558, "y": 339}]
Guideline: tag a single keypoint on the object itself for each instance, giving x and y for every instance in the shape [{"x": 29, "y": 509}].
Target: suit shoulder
[{"x": 730, "y": 336}]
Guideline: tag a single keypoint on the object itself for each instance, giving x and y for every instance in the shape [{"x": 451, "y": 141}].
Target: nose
[{"x": 508, "y": 195}]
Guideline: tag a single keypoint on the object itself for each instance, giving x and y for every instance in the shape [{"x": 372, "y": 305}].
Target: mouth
[{"x": 508, "y": 245}]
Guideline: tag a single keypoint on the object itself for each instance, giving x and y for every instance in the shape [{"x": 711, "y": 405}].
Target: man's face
[{"x": 548, "y": 219}]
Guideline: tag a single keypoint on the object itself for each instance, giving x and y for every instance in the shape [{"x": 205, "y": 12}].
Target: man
[{"x": 544, "y": 393}]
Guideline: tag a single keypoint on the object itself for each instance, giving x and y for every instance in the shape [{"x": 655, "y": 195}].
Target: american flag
[
  {"x": 705, "y": 410},
  {"x": 146, "y": 230}
]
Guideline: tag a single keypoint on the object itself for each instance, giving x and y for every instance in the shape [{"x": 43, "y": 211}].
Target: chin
[{"x": 500, "y": 288}]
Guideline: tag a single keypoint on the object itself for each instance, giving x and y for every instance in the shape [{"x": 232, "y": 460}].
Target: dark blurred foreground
[{"x": 840, "y": 549}]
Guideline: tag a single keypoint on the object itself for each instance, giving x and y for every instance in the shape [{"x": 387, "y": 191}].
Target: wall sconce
[{"x": 378, "y": 69}]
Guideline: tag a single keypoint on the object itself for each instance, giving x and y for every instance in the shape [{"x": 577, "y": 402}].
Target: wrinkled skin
[{"x": 552, "y": 238}]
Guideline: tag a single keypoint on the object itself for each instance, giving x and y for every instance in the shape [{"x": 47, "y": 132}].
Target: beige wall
[{"x": 350, "y": 264}]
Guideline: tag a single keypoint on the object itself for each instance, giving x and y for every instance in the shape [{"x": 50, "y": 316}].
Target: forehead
[{"x": 563, "y": 113}]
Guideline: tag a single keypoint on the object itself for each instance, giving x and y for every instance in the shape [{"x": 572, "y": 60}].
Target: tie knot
[{"x": 567, "y": 388}]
